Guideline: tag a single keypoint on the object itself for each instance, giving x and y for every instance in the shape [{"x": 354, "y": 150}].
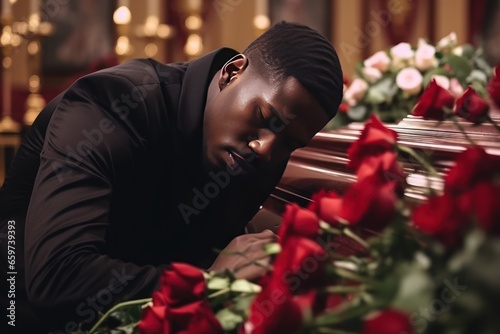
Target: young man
[{"x": 143, "y": 164}]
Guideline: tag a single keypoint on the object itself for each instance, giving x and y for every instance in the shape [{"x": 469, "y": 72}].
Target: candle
[
  {"x": 194, "y": 5},
  {"x": 34, "y": 7},
  {"x": 261, "y": 7},
  {"x": 123, "y": 3},
  {"x": 6, "y": 9},
  {"x": 153, "y": 8}
]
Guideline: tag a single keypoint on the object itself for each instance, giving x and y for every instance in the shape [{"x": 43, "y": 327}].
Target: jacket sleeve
[{"x": 97, "y": 123}]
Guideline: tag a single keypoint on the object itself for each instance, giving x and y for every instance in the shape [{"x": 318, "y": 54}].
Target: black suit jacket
[{"x": 96, "y": 187}]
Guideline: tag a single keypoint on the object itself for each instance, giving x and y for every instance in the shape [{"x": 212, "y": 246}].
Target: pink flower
[
  {"x": 355, "y": 91},
  {"x": 456, "y": 88},
  {"x": 425, "y": 56},
  {"x": 379, "y": 60},
  {"x": 371, "y": 74},
  {"x": 402, "y": 51},
  {"x": 442, "y": 81},
  {"x": 409, "y": 80}
]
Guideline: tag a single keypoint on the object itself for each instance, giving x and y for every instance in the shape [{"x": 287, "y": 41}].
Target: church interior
[{"x": 453, "y": 46}]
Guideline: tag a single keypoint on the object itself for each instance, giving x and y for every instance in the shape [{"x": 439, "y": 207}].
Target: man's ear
[{"x": 231, "y": 69}]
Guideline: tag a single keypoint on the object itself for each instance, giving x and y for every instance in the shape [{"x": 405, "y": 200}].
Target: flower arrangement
[
  {"x": 389, "y": 83},
  {"x": 430, "y": 266}
]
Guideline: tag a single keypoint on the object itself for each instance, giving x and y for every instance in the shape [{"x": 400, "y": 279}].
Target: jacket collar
[{"x": 193, "y": 95}]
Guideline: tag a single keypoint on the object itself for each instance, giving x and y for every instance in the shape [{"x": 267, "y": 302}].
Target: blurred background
[{"x": 47, "y": 44}]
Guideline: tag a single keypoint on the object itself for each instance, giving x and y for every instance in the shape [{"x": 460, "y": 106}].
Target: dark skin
[{"x": 255, "y": 124}]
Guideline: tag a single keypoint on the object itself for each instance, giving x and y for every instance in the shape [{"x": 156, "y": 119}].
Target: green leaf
[
  {"x": 460, "y": 66},
  {"x": 272, "y": 248},
  {"x": 358, "y": 113},
  {"x": 217, "y": 283},
  {"x": 477, "y": 75},
  {"x": 483, "y": 66},
  {"x": 228, "y": 319},
  {"x": 241, "y": 285},
  {"x": 467, "y": 51},
  {"x": 375, "y": 96}
]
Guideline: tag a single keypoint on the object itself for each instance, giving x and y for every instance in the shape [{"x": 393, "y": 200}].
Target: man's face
[{"x": 252, "y": 124}]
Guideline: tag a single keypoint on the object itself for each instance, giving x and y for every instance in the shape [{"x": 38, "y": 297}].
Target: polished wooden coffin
[{"x": 322, "y": 165}]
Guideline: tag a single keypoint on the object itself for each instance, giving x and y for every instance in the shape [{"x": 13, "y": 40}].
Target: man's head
[{"x": 271, "y": 99}]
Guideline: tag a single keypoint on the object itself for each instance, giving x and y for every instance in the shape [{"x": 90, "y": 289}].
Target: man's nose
[{"x": 264, "y": 146}]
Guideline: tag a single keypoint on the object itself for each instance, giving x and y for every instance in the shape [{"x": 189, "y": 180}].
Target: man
[{"x": 143, "y": 164}]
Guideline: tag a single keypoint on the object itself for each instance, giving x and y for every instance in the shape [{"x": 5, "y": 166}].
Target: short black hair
[{"x": 291, "y": 49}]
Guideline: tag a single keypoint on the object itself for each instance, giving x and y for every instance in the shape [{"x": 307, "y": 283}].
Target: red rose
[
  {"x": 387, "y": 165},
  {"x": 343, "y": 107},
  {"x": 471, "y": 166},
  {"x": 494, "y": 87},
  {"x": 370, "y": 203},
  {"x": 433, "y": 101},
  {"x": 300, "y": 264},
  {"x": 485, "y": 200},
  {"x": 387, "y": 322},
  {"x": 186, "y": 283},
  {"x": 441, "y": 216},
  {"x": 194, "y": 318},
  {"x": 299, "y": 222},
  {"x": 273, "y": 311},
  {"x": 472, "y": 107},
  {"x": 374, "y": 139},
  {"x": 179, "y": 306},
  {"x": 326, "y": 205}
]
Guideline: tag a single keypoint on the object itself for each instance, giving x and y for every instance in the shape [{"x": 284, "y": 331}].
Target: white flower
[
  {"x": 371, "y": 74},
  {"x": 402, "y": 51},
  {"x": 448, "y": 41},
  {"x": 379, "y": 60},
  {"x": 425, "y": 56},
  {"x": 456, "y": 88},
  {"x": 356, "y": 91},
  {"x": 409, "y": 80},
  {"x": 442, "y": 81},
  {"x": 458, "y": 51}
]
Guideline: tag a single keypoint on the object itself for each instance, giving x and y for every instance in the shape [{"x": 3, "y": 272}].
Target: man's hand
[{"x": 242, "y": 253}]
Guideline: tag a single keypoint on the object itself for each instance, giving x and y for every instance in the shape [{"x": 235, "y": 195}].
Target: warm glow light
[
  {"x": 164, "y": 31},
  {"x": 6, "y": 62},
  {"x": 193, "y": 22},
  {"x": 122, "y": 45},
  {"x": 194, "y": 45},
  {"x": 34, "y": 83},
  {"x": 122, "y": 15},
  {"x": 151, "y": 25},
  {"x": 34, "y": 21},
  {"x": 32, "y": 48},
  {"x": 150, "y": 50},
  {"x": 261, "y": 22}
]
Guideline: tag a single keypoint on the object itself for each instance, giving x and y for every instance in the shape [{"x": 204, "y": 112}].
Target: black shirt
[{"x": 97, "y": 186}]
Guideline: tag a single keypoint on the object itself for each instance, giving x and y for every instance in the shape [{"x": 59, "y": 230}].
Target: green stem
[
  {"x": 116, "y": 307},
  {"x": 219, "y": 293},
  {"x": 325, "y": 227},
  {"x": 462, "y": 130},
  {"x": 418, "y": 157},
  {"x": 348, "y": 233},
  {"x": 350, "y": 275},
  {"x": 345, "y": 289}
]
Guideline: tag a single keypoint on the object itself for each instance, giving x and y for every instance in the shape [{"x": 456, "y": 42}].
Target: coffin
[{"x": 322, "y": 164}]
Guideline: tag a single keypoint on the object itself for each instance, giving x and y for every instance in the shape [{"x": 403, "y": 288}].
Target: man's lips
[{"x": 237, "y": 160}]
